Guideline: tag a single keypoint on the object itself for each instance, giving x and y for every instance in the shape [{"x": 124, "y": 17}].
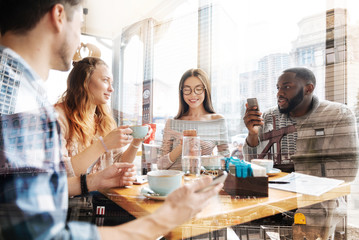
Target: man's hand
[
  {"x": 185, "y": 202},
  {"x": 179, "y": 207},
  {"x": 116, "y": 175},
  {"x": 252, "y": 119}
]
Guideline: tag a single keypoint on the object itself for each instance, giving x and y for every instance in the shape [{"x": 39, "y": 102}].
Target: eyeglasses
[{"x": 197, "y": 90}]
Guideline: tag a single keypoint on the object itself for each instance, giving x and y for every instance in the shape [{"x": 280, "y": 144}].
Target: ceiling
[{"x": 107, "y": 18}]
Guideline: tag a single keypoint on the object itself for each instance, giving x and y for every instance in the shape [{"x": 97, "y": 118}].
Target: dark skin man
[{"x": 294, "y": 97}]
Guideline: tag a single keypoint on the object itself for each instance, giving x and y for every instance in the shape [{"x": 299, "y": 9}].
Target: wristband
[
  {"x": 83, "y": 183},
  {"x": 133, "y": 145},
  {"x": 103, "y": 144}
]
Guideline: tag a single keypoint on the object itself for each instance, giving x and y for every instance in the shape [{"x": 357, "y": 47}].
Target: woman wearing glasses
[{"x": 195, "y": 112}]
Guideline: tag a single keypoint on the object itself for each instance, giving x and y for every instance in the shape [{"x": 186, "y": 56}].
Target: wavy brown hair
[
  {"x": 203, "y": 77},
  {"x": 77, "y": 100}
]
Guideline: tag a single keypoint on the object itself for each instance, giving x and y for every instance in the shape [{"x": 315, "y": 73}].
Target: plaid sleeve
[{"x": 34, "y": 206}]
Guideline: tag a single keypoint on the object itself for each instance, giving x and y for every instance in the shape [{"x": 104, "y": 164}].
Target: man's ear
[
  {"x": 309, "y": 88},
  {"x": 58, "y": 16}
]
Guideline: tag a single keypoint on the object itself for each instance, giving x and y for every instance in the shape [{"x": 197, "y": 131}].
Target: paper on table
[{"x": 306, "y": 184}]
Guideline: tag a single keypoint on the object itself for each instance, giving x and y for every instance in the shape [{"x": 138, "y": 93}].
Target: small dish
[
  {"x": 154, "y": 197},
  {"x": 274, "y": 172},
  {"x": 149, "y": 193}
]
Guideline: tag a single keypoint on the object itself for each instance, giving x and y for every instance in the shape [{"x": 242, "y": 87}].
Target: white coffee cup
[
  {"x": 164, "y": 182},
  {"x": 139, "y": 131},
  {"x": 266, "y": 163},
  {"x": 211, "y": 162}
]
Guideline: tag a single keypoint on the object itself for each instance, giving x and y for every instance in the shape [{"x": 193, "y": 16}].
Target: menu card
[{"x": 306, "y": 184}]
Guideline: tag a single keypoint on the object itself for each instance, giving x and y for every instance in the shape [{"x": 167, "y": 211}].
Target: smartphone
[
  {"x": 217, "y": 180},
  {"x": 252, "y": 102}
]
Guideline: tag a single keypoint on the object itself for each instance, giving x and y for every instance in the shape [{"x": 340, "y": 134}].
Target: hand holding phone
[
  {"x": 217, "y": 180},
  {"x": 252, "y": 102}
]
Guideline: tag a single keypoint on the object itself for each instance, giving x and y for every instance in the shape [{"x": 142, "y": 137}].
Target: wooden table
[{"x": 224, "y": 210}]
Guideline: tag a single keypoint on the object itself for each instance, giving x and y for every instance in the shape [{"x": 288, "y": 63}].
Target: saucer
[
  {"x": 154, "y": 197},
  {"x": 148, "y": 193},
  {"x": 273, "y": 172}
]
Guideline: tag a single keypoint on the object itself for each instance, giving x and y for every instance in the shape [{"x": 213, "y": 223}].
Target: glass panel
[
  {"x": 175, "y": 51},
  {"x": 132, "y": 82},
  {"x": 264, "y": 43}
]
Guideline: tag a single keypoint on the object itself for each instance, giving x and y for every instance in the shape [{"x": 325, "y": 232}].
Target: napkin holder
[{"x": 246, "y": 187}]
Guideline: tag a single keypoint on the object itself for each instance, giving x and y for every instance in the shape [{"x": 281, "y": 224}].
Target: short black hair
[
  {"x": 21, "y": 16},
  {"x": 303, "y": 73}
]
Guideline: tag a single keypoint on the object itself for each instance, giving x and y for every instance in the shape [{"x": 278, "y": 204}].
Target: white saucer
[
  {"x": 148, "y": 193},
  {"x": 274, "y": 172},
  {"x": 154, "y": 197}
]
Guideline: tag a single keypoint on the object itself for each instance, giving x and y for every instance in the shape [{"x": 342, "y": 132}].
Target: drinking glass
[{"x": 191, "y": 155}]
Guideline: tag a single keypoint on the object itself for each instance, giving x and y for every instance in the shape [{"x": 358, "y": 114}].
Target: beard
[
  {"x": 65, "y": 54},
  {"x": 65, "y": 59},
  {"x": 293, "y": 103}
]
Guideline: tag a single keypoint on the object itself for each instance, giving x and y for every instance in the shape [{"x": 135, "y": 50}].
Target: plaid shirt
[{"x": 33, "y": 179}]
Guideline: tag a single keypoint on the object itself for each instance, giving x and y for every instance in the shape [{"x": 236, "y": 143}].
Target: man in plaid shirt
[{"x": 37, "y": 36}]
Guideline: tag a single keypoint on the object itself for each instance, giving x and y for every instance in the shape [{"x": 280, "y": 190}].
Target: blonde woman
[
  {"x": 195, "y": 112},
  {"x": 91, "y": 139}
]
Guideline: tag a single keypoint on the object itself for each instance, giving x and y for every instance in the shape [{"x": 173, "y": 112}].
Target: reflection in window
[{"x": 132, "y": 81}]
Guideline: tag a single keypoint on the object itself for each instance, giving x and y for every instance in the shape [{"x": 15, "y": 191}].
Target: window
[{"x": 243, "y": 48}]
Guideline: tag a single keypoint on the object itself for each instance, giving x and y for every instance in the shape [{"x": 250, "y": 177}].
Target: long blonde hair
[
  {"x": 203, "y": 77},
  {"x": 77, "y": 101}
]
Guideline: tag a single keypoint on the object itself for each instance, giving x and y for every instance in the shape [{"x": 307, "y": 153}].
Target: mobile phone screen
[
  {"x": 252, "y": 102},
  {"x": 218, "y": 179}
]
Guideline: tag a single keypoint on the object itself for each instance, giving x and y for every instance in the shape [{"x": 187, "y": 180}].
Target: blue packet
[
  {"x": 249, "y": 170},
  {"x": 242, "y": 168},
  {"x": 230, "y": 160}
]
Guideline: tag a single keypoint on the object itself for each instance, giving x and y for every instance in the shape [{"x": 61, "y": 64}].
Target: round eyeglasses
[{"x": 197, "y": 90}]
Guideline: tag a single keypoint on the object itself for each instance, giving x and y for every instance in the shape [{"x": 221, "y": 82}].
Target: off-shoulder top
[
  {"x": 75, "y": 147},
  {"x": 212, "y": 133}
]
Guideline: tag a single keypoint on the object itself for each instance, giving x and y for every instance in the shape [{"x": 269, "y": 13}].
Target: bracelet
[
  {"x": 103, "y": 143},
  {"x": 137, "y": 147},
  {"x": 84, "y": 189}
]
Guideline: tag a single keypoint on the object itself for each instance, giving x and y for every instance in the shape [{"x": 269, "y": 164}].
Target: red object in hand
[{"x": 151, "y": 139}]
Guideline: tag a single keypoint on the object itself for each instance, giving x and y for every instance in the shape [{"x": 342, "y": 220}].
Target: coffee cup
[
  {"x": 139, "y": 131},
  {"x": 211, "y": 162},
  {"x": 164, "y": 182},
  {"x": 266, "y": 163}
]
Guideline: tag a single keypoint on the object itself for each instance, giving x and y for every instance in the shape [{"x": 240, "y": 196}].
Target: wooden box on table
[{"x": 246, "y": 187}]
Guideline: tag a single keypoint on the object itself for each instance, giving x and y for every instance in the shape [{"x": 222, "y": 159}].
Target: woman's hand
[
  {"x": 119, "y": 137},
  {"x": 137, "y": 141}
]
